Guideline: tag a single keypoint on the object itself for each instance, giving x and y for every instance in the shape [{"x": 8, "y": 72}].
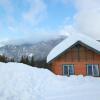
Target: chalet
[{"x": 77, "y": 55}]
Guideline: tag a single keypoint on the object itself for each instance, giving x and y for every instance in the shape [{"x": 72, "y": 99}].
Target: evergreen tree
[
  {"x": 22, "y": 60},
  {"x": 25, "y": 60},
  {"x": 3, "y": 58},
  {"x": 32, "y": 62},
  {"x": 36, "y": 63},
  {"x": 12, "y": 60}
]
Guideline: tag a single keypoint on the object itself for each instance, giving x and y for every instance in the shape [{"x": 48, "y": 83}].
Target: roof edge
[{"x": 78, "y": 42}]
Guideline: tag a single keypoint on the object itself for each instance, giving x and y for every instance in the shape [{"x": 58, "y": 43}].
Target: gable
[
  {"x": 78, "y": 53},
  {"x": 72, "y": 41}
]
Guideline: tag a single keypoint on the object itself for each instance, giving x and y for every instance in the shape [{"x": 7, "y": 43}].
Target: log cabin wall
[{"x": 79, "y": 56}]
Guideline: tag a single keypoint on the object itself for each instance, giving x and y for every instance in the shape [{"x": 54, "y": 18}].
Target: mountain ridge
[{"x": 39, "y": 50}]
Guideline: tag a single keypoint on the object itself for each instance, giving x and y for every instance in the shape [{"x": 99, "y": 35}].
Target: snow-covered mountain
[{"x": 39, "y": 49}]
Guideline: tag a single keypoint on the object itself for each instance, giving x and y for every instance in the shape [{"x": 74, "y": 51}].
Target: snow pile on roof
[
  {"x": 72, "y": 39},
  {"x": 22, "y": 82}
]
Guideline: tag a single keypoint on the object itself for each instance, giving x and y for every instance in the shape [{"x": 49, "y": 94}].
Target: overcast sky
[{"x": 43, "y": 19}]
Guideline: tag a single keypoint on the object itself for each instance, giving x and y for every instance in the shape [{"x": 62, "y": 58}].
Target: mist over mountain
[{"x": 39, "y": 49}]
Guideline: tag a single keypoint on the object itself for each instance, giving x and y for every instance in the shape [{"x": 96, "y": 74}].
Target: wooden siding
[{"x": 79, "y": 56}]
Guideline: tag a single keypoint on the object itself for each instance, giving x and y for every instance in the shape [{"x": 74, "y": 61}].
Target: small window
[
  {"x": 93, "y": 69},
  {"x": 89, "y": 70},
  {"x": 68, "y": 69}
]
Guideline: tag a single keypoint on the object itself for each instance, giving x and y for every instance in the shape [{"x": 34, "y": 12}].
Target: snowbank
[{"x": 22, "y": 82}]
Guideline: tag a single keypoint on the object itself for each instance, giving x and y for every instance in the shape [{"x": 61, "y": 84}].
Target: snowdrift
[{"x": 22, "y": 82}]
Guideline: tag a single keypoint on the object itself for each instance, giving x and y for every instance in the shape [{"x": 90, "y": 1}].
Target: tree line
[
  {"x": 35, "y": 63},
  {"x": 6, "y": 59},
  {"x": 26, "y": 60}
]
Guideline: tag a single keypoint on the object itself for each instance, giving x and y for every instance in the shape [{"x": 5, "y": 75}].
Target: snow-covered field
[{"x": 22, "y": 82}]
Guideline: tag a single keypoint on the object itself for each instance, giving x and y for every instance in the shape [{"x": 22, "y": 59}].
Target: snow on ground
[{"x": 22, "y": 82}]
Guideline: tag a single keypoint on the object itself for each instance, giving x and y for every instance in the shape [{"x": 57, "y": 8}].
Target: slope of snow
[
  {"x": 72, "y": 39},
  {"x": 22, "y": 82}
]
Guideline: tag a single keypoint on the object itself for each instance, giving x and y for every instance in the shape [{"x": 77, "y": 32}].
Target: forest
[{"x": 28, "y": 61}]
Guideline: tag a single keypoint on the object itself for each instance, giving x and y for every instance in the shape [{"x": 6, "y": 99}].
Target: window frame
[
  {"x": 68, "y": 69},
  {"x": 92, "y": 65}
]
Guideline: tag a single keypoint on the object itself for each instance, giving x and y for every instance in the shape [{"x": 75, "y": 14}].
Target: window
[
  {"x": 68, "y": 69},
  {"x": 89, "y": 70},
  {"x": 93, "y": 69}
]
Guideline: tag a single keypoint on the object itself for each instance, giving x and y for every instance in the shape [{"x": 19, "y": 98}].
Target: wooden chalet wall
[{"x": 79, "y": 56}]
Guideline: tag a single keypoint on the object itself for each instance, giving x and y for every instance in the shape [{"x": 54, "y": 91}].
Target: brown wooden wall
[{"x": 79, "y": 57}]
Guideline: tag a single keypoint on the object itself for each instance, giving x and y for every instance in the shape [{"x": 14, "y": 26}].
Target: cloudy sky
[{"x": 43, "y": 19}]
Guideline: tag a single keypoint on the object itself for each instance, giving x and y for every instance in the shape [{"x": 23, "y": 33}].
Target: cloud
[
  {"x": 23, "y": 21},
  {"x": 6, "y": 16},
  {"x": 0, "y": 26},
  {"x": 87, "y": 18},
  {"x": 33, "y": 15},
  {"x": 31, "y": 18},
  {"x": 36, "y": 12},
  {"x": 84, "y": 5},
  {"x": 11, "y": 28},
  {"x": 89, "y": 23},
  {"x": 7, "y": 6},
  {"x": 60, "y": 1}
]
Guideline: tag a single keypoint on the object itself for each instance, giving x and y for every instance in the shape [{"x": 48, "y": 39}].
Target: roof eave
[{"x": 78, "y": 42}]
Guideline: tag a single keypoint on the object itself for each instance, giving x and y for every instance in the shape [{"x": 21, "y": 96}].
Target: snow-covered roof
[{"x": 71, "y": 40}]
